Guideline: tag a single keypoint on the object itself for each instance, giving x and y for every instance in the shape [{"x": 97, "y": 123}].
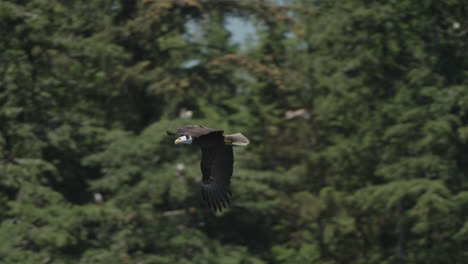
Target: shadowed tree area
[{"x": 356, "y": 111}]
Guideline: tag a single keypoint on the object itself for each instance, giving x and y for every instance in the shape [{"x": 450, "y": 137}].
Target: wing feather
[
  {"x": 217, "y": 166},
  {"x": 194, "y": 131}
]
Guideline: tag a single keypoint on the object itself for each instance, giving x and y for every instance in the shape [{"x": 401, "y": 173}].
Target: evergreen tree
[{"x": 356, "y": 112}]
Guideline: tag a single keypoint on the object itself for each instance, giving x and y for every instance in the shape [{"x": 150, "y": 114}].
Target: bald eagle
[{"x": 216, "y": 163}]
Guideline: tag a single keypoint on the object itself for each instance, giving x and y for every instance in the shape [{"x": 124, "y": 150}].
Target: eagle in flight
[{"x": 216, "y": 163}]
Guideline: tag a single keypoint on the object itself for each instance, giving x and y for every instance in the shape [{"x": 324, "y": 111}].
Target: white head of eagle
[{"x": 184, "y": 140}]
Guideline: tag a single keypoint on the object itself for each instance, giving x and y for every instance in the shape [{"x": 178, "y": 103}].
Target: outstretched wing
[
  {"x": 217, "y": 166},
  {"x": 194, "y": 131}
]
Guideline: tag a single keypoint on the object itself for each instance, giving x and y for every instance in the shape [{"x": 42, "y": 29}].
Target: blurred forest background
[{"x": 357, "y": 112}]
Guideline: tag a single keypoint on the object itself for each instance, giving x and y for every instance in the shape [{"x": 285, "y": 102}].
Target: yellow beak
[{"x": 177, "y": 141}]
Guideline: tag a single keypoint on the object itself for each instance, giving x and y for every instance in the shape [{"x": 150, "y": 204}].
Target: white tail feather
[{"x": 238, "y": 139}]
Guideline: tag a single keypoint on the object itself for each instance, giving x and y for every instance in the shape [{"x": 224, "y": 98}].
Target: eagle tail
[{"x": 237, "y": 139}]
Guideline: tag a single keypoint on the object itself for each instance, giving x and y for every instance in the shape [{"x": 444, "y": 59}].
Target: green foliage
[{"x": 356, "y": 112}]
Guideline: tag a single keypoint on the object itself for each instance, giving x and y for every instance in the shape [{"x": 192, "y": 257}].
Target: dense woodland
[{"x": 356, "y": 110}]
